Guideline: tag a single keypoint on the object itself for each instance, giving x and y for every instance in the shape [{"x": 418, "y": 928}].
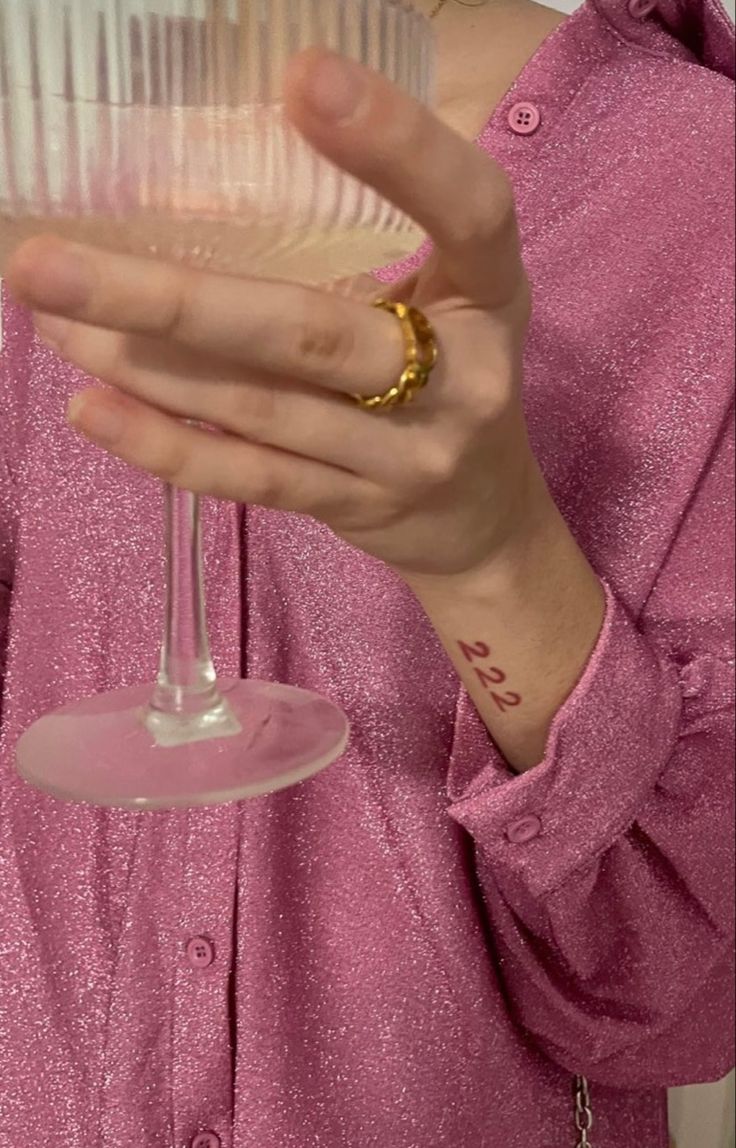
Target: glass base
[{"x": 103, "y": 751}]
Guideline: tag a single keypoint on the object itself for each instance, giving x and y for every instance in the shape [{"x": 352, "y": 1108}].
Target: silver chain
[
  {"x": 583, "y": 1112},
  {"x": 465, "y": 3}
]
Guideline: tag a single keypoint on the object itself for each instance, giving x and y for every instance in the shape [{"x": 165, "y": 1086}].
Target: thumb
[{"x": 376, "y": 132}]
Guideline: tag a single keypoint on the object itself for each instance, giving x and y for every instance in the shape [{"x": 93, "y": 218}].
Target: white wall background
[{"x": 701, "y": 1116}]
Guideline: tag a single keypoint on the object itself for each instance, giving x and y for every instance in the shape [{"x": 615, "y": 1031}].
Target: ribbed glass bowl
[{"x": 157, "y": 127}]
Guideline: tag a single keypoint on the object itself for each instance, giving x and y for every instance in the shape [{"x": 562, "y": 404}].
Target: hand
[{"x": 436, "y": 488}]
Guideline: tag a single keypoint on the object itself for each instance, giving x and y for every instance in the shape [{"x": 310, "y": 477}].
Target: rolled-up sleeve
[{"x": 607, "y": 870}]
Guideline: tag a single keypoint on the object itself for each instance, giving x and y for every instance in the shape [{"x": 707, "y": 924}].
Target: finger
[
  {"x": 216, "y": 464},
  {"x": 267, "y": 327},
  {"x": 274, "y": 412},
  {"x": 458, "y": 193}
]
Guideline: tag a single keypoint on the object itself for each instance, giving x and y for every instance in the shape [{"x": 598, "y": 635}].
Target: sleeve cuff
[{"x": 606, "y": 748}]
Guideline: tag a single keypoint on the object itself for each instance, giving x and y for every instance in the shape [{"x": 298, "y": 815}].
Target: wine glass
[{"x": 157, "y": 127}]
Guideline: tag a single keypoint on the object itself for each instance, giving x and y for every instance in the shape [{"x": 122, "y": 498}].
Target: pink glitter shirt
[{"x": 379, "y": 961}]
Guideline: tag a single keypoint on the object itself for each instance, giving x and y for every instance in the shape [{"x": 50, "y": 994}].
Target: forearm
[{"x": 521, "y": 631}]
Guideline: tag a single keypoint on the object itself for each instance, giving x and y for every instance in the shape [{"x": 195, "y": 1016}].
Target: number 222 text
[{"x": 490, "y": 677}]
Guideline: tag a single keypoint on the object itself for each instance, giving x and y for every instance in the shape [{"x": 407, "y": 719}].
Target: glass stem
[
  {"x": 187, "y": 683},
  {"x": 186, "y": 705}
]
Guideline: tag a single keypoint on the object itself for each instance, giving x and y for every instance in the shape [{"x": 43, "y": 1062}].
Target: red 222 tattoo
[{"x": 491, "y": 676}]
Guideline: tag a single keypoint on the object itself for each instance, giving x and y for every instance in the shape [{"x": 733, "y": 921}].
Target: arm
[
  {"x": 520, "y": 641},
  {"x": 614, "y": 923}
]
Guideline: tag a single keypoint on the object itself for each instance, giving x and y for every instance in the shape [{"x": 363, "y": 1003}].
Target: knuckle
[
  {"x": 172, "y": 465},
  {"x": 322, "y": 340},
  {"x": 120, "y": 371},
  {"x": 391, "y": 510},
  {"x": 483, "y": 399},
  {"x": 438, "y": 465},
  {"x": 221, "y": 487},
  {"x": 488, "y": 392},
  {"x": 265, "y": 489},
  {"x": 254, "y": 410},
  {"x": 490, "y": 207},
  {"x": 178, "y": 317}
]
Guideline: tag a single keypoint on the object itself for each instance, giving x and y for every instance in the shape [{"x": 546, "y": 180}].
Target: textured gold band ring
[{"x": 421, "y": 357}]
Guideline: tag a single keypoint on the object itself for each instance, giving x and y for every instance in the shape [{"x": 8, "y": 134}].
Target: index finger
[
  {"x": 280, "y": 329},
  {"x": 459, "y": 194}
]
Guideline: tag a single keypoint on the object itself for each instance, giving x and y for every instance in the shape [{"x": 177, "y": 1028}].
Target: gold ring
[{"x": 421, "y": 357}]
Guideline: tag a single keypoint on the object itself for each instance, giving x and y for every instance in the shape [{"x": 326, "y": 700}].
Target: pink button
[
  {"x": 525, "y": 118},
  {"x": 201, "y": 955},
  {"x": 524, "y": 829},
  {"x": 693, "y": 678},
  {"x": 641, "y": 8},
  {"x": 206, "y": 1140}
]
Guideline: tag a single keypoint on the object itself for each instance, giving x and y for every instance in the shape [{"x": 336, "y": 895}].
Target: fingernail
[
  {"x": 52, "y": 329},
  {"x": 100, "y": 419},
  {"x": 336, "y": 89}
]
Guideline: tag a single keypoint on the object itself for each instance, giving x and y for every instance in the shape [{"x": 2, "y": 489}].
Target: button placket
[{"x": 203, "y": 1073}]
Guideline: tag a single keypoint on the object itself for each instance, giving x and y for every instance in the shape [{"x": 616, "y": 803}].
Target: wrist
[
  {"x": 536, "y": 608},
  {"x": 538, "y": 529}
]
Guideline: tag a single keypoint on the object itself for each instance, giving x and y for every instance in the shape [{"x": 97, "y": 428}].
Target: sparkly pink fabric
[{"x": 389, "y": 968}]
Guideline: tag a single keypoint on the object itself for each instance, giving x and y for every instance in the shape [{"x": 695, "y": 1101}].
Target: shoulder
[
  {"x": 653, "y": 143},
  {"x": 674, "y": 106}
]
